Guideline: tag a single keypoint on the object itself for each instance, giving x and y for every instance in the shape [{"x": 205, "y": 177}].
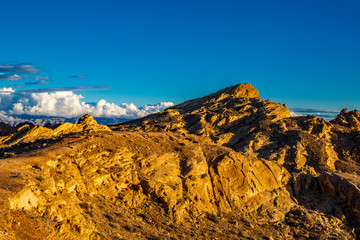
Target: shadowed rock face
[
  {"x": 229, "y": 165},
  {"x": 6, "y": 129}
]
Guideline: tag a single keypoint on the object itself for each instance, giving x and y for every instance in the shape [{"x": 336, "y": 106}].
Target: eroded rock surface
[
  {"x": 146, "y": 175},
  {"x": 229, "y": 165},
  {"x": 348, "y": 119},
  {"x": 241, "y": 120}
]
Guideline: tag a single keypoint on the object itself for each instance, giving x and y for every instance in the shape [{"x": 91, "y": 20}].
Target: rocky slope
[
  {"x": 226, "y": 166},
  {"x": 238, "y": 118}
]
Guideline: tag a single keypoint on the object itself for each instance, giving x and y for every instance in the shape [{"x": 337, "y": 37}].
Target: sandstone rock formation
[
  {"x": 137, "y": 185},
  {"x": 348, "y": 119},
  {"x": 28, "y": 133},
  {"x": 135, "y": 171},
  {"x": 225, "y": 117},
  {"x": 238, "y": 118},
  {"x": 225, "y": 166}
]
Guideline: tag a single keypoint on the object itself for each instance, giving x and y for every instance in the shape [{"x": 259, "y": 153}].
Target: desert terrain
[{"x": 229, "y": 165}]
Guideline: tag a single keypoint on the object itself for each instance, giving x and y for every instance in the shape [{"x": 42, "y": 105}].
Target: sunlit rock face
[
  {"x": 238, "y": 118},
  {"x": 229, "y": 165},
  {"x": 348, "y": 119}
]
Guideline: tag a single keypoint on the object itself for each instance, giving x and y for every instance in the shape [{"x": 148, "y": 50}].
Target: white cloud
[
  {"x": 4, "y": 117},
  {"x": 6, "y": 90},
  {"x": 67, "y": 104},
  {"x": 293, "y": 114}
]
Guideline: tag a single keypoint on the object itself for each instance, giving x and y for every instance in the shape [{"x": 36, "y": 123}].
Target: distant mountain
[
  {"x": 10, "y": 127},
  {"x": 50, "y": 121},
  {"x": 6, "y": 129},
  {"x": 327, "y": 114}
]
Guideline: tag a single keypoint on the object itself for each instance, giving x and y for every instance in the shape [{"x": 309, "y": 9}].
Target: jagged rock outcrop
[
  {"x": 348, "y": 119},
  {"x": 227, "y": 117},
  {"x": 335, "y": 194},
  {"x": 344, "y": 191},
  {"x": 28, "y": 133}
]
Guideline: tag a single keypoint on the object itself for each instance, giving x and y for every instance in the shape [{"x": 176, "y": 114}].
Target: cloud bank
[{"x": 66, "y": 104}]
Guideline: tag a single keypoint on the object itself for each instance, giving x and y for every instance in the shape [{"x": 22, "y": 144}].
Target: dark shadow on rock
[
  {"x": 22, "y": 148},
  {"x": 334, "y": 194}
]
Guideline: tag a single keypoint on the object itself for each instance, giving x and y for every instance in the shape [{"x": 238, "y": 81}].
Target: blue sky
[{"x": 302, "y": 53}]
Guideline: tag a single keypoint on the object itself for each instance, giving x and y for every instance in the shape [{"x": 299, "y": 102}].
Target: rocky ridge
[
  {"x": 238, "y": 118},
  {"x": 28, "y": 133},
  {"x": 228, "y": 165}
]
